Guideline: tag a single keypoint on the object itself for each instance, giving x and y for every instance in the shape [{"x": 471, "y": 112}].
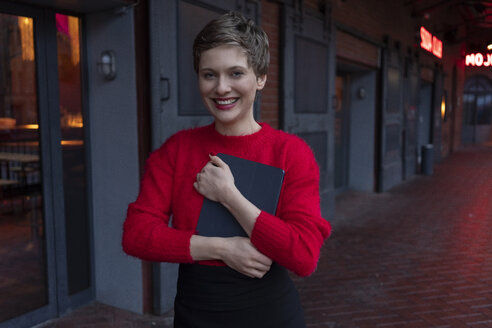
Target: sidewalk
[{"x": 419, "y": 255}]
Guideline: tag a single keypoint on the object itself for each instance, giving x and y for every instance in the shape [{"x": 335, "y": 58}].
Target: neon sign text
[
  {"x": 478, "y": 59},
  {"x": 430, "y": 43}
]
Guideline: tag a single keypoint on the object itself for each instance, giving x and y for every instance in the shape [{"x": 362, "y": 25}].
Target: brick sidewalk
[{"x": 419, "y": 255}]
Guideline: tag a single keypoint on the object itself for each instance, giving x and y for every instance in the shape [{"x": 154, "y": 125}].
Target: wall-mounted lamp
[
  {"x": 361, "y": 93},
  {"x": 107, "y": 65},
  {"x": 443, "y": 107}
]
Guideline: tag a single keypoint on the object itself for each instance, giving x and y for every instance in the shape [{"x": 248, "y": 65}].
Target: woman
[{"x": 237, "y": 281}]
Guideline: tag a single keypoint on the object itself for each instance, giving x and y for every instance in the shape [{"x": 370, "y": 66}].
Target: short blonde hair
[{"x": 234, "y": 29}]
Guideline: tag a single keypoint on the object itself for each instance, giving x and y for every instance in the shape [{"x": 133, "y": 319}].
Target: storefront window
[
  {"x": 73, "y": 153},
  {"x": 23, "y": 278}
]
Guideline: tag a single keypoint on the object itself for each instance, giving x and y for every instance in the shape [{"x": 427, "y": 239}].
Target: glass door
[
  {"x": 45, "y": 250},
  {"x": 78, "y": 266},
  {"x": 23, "y": 265}
]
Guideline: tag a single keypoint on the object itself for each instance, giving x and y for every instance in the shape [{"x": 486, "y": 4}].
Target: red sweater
[{"x": 292, "y": 238}]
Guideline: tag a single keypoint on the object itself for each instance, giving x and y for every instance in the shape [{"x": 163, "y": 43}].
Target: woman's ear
[{"x": 261, "y": 81}]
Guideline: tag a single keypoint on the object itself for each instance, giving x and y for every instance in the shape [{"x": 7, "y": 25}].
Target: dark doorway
[
  {"x": 354, "y": 128},
  {"x": 342, "y": 105}
]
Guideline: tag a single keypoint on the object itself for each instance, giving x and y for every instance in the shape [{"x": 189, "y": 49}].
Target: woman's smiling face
[{"x": 228, "y": 87}]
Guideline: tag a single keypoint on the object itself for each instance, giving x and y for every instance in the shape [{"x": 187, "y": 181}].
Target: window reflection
[
  {"x": 22, "y": 240},
  {"x": 73, "y": 153}
]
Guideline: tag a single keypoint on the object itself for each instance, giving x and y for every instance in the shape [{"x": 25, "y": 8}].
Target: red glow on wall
[
  {"x": 478, "y": 59},
  {"x": 430, "y": 43}
]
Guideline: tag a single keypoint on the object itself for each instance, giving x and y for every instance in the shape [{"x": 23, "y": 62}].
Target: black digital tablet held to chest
[{"x": 259, "y": 183}]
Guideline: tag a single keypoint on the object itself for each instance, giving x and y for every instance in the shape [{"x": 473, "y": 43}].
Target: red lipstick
[{"x": 225, "y": 103}]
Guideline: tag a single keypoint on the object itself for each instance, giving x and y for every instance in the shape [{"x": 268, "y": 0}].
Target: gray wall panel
[
  {"x": 114, "y": 157},
  {"x": 362, "y": 130}
]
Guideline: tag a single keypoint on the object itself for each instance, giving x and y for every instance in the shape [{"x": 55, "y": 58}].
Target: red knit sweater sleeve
[
  {"x": 146, "y": 231},
  {"x": 294, "y": 237}
]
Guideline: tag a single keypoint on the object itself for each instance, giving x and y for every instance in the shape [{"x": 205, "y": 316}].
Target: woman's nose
[{"x": 223, "y": 86}]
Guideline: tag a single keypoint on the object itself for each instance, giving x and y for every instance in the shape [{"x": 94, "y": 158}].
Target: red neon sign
[
  {"x": 478, "y": 59},
  {"x": 430, "y": 43}
]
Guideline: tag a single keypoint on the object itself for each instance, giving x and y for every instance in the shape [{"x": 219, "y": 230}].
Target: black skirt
[{"x": 218, "y": 296}]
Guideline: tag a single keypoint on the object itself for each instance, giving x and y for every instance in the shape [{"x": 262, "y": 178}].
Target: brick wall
[
  {"x": 373, "y": 19},
  {"x": 270, "y": 22},
  {"x": 377, "y": 18},
  {"x": 353, "y": 49},
  {"x": 313, "y": 4}
]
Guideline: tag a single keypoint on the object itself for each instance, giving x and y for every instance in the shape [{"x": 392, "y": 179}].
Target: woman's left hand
[{"x": 215, "y": 181}]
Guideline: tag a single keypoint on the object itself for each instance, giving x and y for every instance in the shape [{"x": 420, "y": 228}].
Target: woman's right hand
[
  {"x": 240, "y": 255},
  {"x": 236, "y": 252}
]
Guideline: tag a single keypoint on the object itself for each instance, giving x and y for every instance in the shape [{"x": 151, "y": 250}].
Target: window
[{"x": 477, "y": 101}]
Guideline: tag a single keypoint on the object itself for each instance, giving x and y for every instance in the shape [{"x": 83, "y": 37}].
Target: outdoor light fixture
[
  {"x": 361, "y": 93},
  {"x": 443, "y": 108},
  {"x": 107, "y": 65},
  {"x": 489, "y": 47}
]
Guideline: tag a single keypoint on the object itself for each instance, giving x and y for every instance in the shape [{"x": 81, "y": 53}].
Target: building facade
[{"x": 380, "y": 90}]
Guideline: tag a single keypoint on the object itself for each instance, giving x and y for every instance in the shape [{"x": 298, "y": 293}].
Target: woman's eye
[
  {"x": 208, "y": 76},
  {"x": 237, "y": 74}
]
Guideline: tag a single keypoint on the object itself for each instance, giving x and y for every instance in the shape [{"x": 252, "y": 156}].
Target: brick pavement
[{"x": 419, "y": 255}]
